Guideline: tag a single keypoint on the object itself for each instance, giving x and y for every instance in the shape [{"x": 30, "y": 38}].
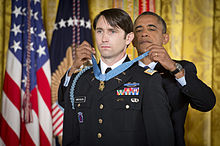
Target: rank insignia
[
  {"x": 150, "y": 71},
  {"x": 80, "y": 117},
  {"x": 128, "y": 91}
]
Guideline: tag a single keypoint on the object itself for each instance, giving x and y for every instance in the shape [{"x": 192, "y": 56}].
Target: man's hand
[
  {"x": 82, "y": 55},
  {"x": 159, "y": 54}
]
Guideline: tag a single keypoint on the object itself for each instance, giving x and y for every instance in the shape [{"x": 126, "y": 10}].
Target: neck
[
  {"x": 146, "y": 60},
  {"x": 113, "y": 60}
]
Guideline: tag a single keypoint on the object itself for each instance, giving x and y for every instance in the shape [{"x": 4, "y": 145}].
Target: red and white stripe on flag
[
  {"x": 146, "y": 5},
  {"x": 57, "y": 116},
  {"x": 13, "y": 130}
]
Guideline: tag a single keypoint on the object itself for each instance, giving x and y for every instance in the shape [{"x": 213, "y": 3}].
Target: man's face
[
  {"x": 148, "y": 31},
  {"x": 111, "y": 41}
]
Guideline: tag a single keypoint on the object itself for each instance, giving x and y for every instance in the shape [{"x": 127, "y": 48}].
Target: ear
[
  {"x": 134, "y": 42},
  {"x": 129, "y": 38},
  {"x": 165, "y": 38}
]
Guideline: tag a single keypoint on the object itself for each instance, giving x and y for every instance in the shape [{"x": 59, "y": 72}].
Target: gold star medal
[{"x": 101, "y": 85}]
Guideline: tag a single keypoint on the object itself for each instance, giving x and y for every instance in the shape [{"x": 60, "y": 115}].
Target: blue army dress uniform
[{"x": 132, "y": 110}]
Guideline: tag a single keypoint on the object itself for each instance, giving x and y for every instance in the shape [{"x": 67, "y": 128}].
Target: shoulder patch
[{"x": 150, "y": 71}]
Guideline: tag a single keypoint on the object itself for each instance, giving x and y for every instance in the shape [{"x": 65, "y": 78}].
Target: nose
[
  {"x": 105, "y": 37},
  {"x": 144, "y": 33}
]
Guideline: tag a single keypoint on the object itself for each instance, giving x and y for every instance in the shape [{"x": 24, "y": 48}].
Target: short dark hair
[
  {"x": 116, "y": 18},
  {"x": 160, "y": 19}
]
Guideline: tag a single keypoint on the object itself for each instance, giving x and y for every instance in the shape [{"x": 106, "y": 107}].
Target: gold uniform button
[
  {"x": 127, "y": 106},
  {"x": 99, "y": 135},
  {"x": 78, "y": 105},
  {"x": 101, "y": 106},
  {"x": 100, "y": 121}
]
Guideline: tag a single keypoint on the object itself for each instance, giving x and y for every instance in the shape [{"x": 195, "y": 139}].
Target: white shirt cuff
[{"x": 67, "y": 78}]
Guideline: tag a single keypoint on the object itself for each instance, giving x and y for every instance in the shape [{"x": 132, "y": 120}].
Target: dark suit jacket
[
  {"x": 195, "y": 93},
  {"x": 141, "y": 119}
]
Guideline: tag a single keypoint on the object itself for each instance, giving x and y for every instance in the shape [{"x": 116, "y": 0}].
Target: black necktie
[
  {"x": 108, "y": 69},
  {"x": 146, "y": 67}
]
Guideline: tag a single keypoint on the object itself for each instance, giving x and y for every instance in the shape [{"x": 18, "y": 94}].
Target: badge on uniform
[
  {"x": 150, "y": 71},
  {"x": 128, "y": 91},
  {"x": 80, "y": 117},
  {"x": 80, "y": 99},
  {"x": 134, "y": 84},
  {"x": 135, "y": 100}
]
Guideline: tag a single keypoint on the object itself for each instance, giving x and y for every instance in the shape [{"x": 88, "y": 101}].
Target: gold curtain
[{"x": 194, "y": 28}]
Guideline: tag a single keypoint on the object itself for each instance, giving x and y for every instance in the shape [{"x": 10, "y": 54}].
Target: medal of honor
[{"x": 101, "y": 85}]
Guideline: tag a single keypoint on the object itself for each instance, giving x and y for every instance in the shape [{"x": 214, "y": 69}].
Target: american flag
[
  {"x": 27, "y": 80},
  {"x": 146, "y": 5},
  {"x": 72, "y": 27}
]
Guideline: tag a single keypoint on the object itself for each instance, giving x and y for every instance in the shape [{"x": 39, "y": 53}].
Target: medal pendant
[{"x": 101, "y": 85}]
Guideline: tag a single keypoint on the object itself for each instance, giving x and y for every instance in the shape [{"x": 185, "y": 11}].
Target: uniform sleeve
[
  {"x": 201, "y": 97},
  {"x": 61, "y": 91},
  {"x": 70, "y": 126},
  {"x": 63, "y": 88},
  {"x": 158, "y": 125},
  {"x": 70, "y": 122}
]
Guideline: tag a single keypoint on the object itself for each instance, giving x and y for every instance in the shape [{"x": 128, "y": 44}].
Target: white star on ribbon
[
  {"x": 16, "y": 46},
  {"x": 76, "y": 21},
  {"x": 82, "y": 22},
  {"x": 42, "y": 35},
  {"x": 62, "y": 23},
  {"x": 35, "y": 1},
  {"x": 88, "y": 24},
  {"x": 24, "y": 80},
  {"x": 31, "y": 46},
  {"x": 23, "y": 11},
  {"x": 70, "y": 22},
  {"x": 41, "y": 51},
  {"x": 17, "y": 11},
  {"x": 55, "y": 26},
  {"x": 35, "y": 16},
  {"x": 16, "y": 29},
  {"x": 32, "y": 30}
]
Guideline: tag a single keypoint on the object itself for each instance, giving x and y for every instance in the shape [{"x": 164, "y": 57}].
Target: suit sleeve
[
  {"x": 158, "y": 125},
  {"x": 201, "y": 97}
]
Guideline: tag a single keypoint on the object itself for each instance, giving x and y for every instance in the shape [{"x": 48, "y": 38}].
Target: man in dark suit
[
  {"x": 180, "y": 79},
  {"x": 127, "y": 109}
]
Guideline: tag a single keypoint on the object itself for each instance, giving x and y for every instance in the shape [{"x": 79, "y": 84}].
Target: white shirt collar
[
  {"x": 151, "y": 65},
  {"x": 104, "y": 66}
]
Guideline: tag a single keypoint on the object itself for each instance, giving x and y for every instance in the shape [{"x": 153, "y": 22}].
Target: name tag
[{"x": 80, "y": 99}]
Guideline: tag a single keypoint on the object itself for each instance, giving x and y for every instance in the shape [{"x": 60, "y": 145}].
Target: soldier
[{"x": 124, "y": 107}]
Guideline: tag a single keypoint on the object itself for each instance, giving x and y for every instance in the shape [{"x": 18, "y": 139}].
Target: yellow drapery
[{"x": 194, "y": 27}]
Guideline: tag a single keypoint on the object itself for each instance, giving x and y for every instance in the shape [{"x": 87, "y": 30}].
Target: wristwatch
[{"x": 178, "y": 69}]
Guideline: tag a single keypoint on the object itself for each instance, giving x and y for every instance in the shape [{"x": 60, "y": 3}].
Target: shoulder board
[{"x": 150, "y": 71}]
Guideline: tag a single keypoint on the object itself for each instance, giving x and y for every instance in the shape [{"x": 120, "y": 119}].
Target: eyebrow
[
  {"x": 149, "y": 25},
  {"x": 109, "y": 29}
]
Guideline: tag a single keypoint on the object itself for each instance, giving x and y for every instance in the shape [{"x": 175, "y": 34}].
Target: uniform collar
[
  {"x": 104, "y": 66},
  {"x": 151, "y": 65}
]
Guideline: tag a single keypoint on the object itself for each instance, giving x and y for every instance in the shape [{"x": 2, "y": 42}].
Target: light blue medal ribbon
[
  {"x": 124, "y": 66},
  {"x": 103, "y": 77}
]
